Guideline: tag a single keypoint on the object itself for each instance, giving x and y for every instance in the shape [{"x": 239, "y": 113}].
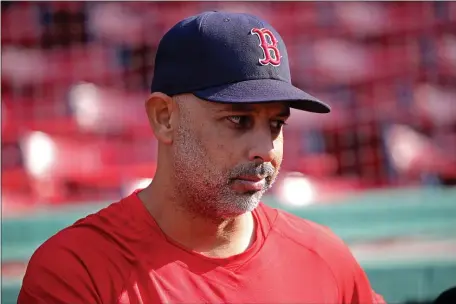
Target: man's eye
[
  {"x": 278, "y": 124},
  {"x": 245, "y": 121},
  {"x": 238, "y": 120}
]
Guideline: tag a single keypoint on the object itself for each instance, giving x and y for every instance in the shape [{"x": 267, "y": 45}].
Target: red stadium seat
[
  {"x": 17, "y": 203},
  {"x": 54, "y": 162},
  {"x": 20, "y": 24},
  {"x": 446, "y": 48},
  {"x": 435, "y": 104},
  {"x": 413, "y": 154},
  {"x": 350, "y": 63},
  {"x": 99, "y": 110},
  {"x": 16, "y": 180},
  {"x": 59, "y": 67}
]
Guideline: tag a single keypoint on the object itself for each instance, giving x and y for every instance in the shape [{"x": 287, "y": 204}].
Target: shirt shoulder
[
  {"x": 87, "y": 262},
  {"x": 306, "y": 233},
  {"x": 353, "y": 284}
]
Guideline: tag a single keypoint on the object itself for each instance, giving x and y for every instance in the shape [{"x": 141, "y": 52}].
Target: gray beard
[{"x": 203, "y": 191}]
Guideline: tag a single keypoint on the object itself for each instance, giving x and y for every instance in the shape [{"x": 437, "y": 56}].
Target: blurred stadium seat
[
  {"x": 63, "y": 168},
  {"x": 414, "y": 155},
  {"x": 101, "y": 111}
]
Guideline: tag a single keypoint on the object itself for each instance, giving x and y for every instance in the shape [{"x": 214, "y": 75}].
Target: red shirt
[{"x": 119, "y": 255}]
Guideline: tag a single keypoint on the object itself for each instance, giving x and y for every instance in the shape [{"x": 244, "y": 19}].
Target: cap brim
[{"x": 263, "y": 90}]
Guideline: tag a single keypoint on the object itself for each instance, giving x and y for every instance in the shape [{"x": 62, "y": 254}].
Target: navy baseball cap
[{"x": 228, "y": 58}]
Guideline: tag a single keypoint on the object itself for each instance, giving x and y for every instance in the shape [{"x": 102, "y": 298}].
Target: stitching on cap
[{"x": 203, "y": 19}]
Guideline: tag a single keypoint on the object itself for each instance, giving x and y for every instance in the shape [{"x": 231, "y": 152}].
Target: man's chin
[
  {"x": 249, "y": 202},
  {"x": 237, "y": 213}
]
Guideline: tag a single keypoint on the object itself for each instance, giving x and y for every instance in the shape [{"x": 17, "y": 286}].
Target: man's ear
[{"x": 159, "y": 108}]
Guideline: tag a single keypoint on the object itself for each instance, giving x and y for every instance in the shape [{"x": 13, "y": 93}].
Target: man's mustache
[{"x": 264, "y": 170}]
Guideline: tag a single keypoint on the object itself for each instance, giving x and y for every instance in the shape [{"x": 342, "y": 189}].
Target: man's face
[{"x": 226, "y": 156}]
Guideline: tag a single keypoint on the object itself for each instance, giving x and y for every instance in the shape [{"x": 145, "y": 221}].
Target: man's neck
[{"x": 220, "y": 239}]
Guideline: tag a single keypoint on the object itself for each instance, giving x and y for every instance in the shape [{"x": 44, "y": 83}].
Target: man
[{"x": 198, "y": 233}]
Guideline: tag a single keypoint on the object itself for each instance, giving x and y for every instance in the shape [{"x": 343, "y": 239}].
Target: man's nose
[{"x": 262, "y": 147}]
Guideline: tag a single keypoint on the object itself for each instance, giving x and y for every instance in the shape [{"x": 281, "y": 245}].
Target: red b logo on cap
[{"x": 268, "y": 44}]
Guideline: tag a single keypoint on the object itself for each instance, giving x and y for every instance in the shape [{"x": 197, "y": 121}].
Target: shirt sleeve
[
  {"x": 55, "y": 274},
  {"x": 362, "y": 291},
  {"x": 378, "y": 299},
  {"x": 354, "y": 285}
]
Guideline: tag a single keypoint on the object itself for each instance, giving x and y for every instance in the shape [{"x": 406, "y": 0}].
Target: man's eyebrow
[
  {"x": 247, "y": 108},
  {"x": 233, "y": 107},
  {"x": 285, "y": 112}
]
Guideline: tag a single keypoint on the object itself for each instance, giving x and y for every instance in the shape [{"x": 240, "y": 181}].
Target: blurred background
[{"x": 380, "y": 170}]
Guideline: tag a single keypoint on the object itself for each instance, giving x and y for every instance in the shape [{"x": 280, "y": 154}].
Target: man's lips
[
  {"x": 251, "y": 178},
  {"x": 249, "y": 183}
]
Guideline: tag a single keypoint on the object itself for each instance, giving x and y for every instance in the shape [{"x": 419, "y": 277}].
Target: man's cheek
[{"x": 277, "y": 162}]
